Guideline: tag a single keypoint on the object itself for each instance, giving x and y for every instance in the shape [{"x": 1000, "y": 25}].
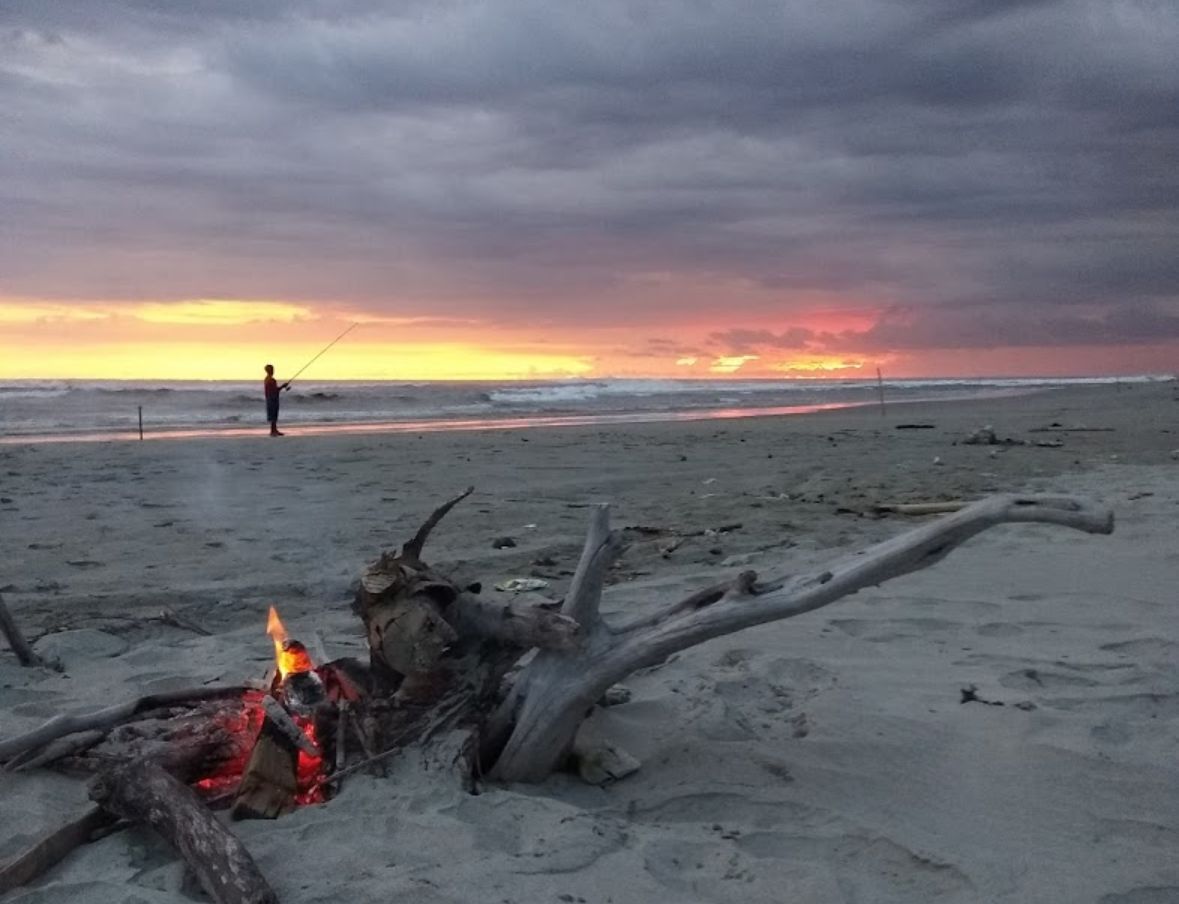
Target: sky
[{"x": 530, "y": 189}]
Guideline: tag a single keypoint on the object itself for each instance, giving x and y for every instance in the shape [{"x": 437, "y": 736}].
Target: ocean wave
[{"x": 139, "y": 391}]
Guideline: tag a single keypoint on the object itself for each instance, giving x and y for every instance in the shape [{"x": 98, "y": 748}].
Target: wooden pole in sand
[
  {"x": 880, "y": 387},
  {"x": 141, "y": 423}
]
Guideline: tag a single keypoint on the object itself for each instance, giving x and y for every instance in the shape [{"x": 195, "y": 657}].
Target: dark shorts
[{"x": 272, "y": 409}]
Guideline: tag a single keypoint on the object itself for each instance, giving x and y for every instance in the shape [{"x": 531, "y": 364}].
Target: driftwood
[
  {"x": 24, "y": 653},
  {"x": 919, "y": 508},
  {"x": 143, "y": 792},
  {"x": 52, "y": 848},
  {"x": 540, "y": 717},
  {"x": 109, "y": 717},
  {"x": 55, "y": 750},
  {"x": 186, "y": 761},
  {"x": 442, "y": 655}
]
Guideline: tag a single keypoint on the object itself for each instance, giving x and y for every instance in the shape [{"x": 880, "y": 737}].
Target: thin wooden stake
[{"x": 880, "y": 387}]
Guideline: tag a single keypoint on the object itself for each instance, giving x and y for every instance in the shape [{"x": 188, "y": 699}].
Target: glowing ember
[
  {"x": 242, "y": 725},
  {"x": 289, "y": 655},
  {"x": 309, "y": 769},
  {"x": 301, "y": 689}
]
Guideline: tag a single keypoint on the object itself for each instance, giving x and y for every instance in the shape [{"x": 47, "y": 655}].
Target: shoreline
[{"x": 521, "y": 422}]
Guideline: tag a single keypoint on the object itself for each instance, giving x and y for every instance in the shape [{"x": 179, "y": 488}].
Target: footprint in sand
[
  {"x": 1146, "y": 648},
  {"x": 884, "y": 630},
  {"x": 1037, "y": 679},
  {"x": 1127, "y": 706},
  {"x": 1156, "y": 894},
  {"x": 756, "y": 866},
  {"x": 747, "y": 693}
]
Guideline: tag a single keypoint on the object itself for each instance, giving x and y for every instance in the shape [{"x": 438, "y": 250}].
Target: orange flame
[{"x": 289, "y": 655}]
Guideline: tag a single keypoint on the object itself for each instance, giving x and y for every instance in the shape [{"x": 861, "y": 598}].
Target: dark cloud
[
  {"x": 520, "y": 160},
  {"x": 746, "y": 341},
  {"x": 1007, "y": 327}
]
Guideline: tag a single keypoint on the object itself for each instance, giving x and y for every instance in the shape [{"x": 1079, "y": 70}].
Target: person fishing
[{"x": 272, "y": 389}]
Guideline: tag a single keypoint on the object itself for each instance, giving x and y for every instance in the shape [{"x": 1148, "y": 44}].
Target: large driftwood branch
[
  {"x": 24, "y": 653},
  {"x": 109, "y": 717},
  {"x": 911, "y": 551},
  {"x": 555, "y": 691},
  {"x": 144, "y": 793}
]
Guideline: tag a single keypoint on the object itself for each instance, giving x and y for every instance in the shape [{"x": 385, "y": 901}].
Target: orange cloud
[{"x": 219, "y": 312}]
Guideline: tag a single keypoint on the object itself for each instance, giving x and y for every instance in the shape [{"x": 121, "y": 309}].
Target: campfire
[{"x": 297, "y": 728}]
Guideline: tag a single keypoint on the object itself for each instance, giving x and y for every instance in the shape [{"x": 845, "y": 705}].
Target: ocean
[{"x": 57, "y": 410}]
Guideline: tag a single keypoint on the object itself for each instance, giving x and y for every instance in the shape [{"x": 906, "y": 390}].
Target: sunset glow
[{"x": 230, "y": 339}]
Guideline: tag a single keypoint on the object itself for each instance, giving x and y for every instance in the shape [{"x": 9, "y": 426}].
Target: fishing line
[{"x": 351, "y": 327}]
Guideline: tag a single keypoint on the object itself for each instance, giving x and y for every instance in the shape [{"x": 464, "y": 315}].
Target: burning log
[
  {"x": 144, "y": 793},
  {"x": 270, "y": 782},
  {"x": 285, "y": 761}
]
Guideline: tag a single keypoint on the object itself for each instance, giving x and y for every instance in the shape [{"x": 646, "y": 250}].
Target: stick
[
  {"x": 413, "y": 549},
  {"x": 920, "y": 508},
  {"x": 60, "y": 726},
  {"x": 341, "y": 742},
  {"x": 144, "y": 793},
  {"x": 52, "y": 848},
  {"x": 24, "y": 653},
  {"x": 62, "y": 747},
  {"x": 169, "y": 617},
  {"x": 880, "y": 386}
]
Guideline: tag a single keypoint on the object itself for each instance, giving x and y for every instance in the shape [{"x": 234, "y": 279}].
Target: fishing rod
[{"x": 351, "y": 327}]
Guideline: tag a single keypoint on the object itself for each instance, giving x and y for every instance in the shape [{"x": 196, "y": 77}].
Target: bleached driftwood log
[
  {"x": 144, "y": 793},
  {"x": 538, "y": 720}
]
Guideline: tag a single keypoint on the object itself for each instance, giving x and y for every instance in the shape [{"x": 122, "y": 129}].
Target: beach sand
[{"x": 826, "y": 758}]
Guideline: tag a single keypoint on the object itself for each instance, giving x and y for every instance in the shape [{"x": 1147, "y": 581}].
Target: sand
[{"x": 827, "y": 758}]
